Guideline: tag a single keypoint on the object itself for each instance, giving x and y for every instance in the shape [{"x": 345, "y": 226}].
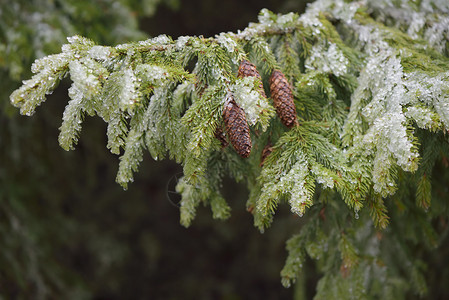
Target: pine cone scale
[
  {"x": 220, "y": 135},
  {"x": 282, "y": 95},
  {"x": 237, "y": 127},
  {"x": 246, "y": 69}
]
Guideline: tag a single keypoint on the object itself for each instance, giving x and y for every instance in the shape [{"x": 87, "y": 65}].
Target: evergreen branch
[
  {"x": 116, "y": 132},
  {"x": 33, "y": 91},
  {"x": 287, "y": 55},
  {"x": 259, "y": 52},
  {"x": 133, "y": 154},
  {"x": 115, "y": 82},
  {"x": 348, "y": 252},
  {"x": 220, "y": 209},
  {"x": 190, "y": 201},
  {"x": 378, "y": 212},
  {"x": 257, "y": 109},
  {"x": 372, "y": 103},
  {"x": 418, "y": 280},
  {"x": 294, "y": 262},
  {"x": 71, "y": 120},
  {"x": 423, "y": 192},
  {"x": 205, "y": 190}
]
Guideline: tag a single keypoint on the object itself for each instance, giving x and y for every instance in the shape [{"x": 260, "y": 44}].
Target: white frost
[
  {"x": 250, "y": 100},
  {"x": 181, "y": 42},
  {"x": 100, "y": 52},
  {"x": 226, "y": 41},
  {"x": 130, "y": 93},
  {"x": 327, "y": 59}
]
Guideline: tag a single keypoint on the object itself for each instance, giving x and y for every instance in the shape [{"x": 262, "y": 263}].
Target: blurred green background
[{"x": 67, "y": 230}]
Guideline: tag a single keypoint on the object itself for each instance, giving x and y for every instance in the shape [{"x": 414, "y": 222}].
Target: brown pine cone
[
  {"x": 220, "y": 135},
  {"x": 282, "y": 95},
  {"x": 236, "y": 127},
  {"x": 246, "y": 69}
]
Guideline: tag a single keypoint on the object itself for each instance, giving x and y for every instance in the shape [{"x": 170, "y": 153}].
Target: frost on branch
[
  {"x": 49, "y": 71},
  {"x": 151, "y": 102},
  {"x": 372, "y": 111}
]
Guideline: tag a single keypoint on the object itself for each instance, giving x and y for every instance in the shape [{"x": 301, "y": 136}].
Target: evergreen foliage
[
  {"x": 370, "y": 84},
  {"x": 31, "y": 30},
  {"x": 36, "y": 225}
]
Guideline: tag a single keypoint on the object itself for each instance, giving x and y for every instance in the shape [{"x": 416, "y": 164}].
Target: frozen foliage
[
  {"x": 431, "y": 92},
  {"x": 428, "y": 19},
  {"x": 368, "y": 98},
  {"x": 124, "y": 83},
  {"x": 226, "y": 41},
  {"x": 101, "y": 53},
  {"x": 257, "y": 108},
  {"x": 383, "y": 76},
  {"x": 33, "y": 29},
  {"x": 438, "y": 33},
  {"x": 154, "y": 123},
  {"x": 311, "y": 19},
  {"x": 266, "y": 17},
  {"x": 181, "y": 42},
  {"x": 131, "y": 158},
  {"x": 323, "y": 176},
  {"x": 300, "y": 197},
  {"x": 327, "y": 59},
  {"x": 423, "y": 116},
  {"x": 132, "y": 82},
  {"x": 130, "y": 90},
  {"x": 71, "y": 119},
  {"x": 49, "y": 70},
  {"x": 85, "y": 74}
]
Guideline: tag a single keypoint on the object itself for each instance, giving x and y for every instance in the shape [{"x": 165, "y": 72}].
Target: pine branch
[{"x": 368, "y": 119}]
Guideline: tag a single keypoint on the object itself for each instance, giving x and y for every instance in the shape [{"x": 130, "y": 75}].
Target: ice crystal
[
  {"x": 252, "y": 102},
  {"x": 430, "y": 90},
  {"x": 73, "y": 39},
  {"x": 32, "y": 93},
  {"x": 401, "y": 14},
  {"x": 438, "y": 33},
  {"x": 383, "y": 184},
  {"x": 435, "y": 6},
  {"x": 327, "y": 59},
  {"x": 131, "y": 158},
  {"x": 292, "y": 182},
  {"x": 286, "y": 19},
  {"x": 151, "y": 73},
  {"x": 423, "y": 116},
  {"x": 153, "y": 123},
  {"x": 323, "y": 176},
  {"x": 345, "y": 11},
  {"x": 81, "y": 73},
  {"x": 161, "y": 39},
  {"x": 417, "y": 23},
  {"x": 226, "y": 41},
  {"x": 371, "y": 38},
  {"x": 265, "y": 17},
  {"x": 296, "y": 178},
  {"x": 423, "y": 21},
  {"x": 71, "y": 119},
  {"x": 101, "y": 53},
  {"x": 48, "y": 63},
  {"x": 383, "y": 76},
  {"x": 130, "y": 89},
  {"x": 311, "y": 17},
  {"x": 181, "y": 42}
]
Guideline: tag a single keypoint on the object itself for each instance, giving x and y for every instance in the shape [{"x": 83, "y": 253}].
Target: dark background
[{"x": 70, "y": 232}]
